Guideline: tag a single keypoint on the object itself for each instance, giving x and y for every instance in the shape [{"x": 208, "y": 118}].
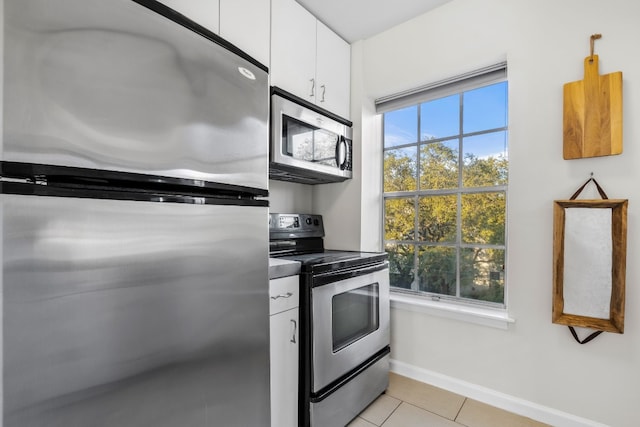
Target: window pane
[
  {"x": 482, "y": 274},
  {"x": 439, "y": 165},
  {"x": 401, "y": 126},
  {"x": 483, "y": 218},
  {"x": 400, "y": 265},
  {"x": 485, "y": 108},
  {"x": 400, "y": 169},
  {"x": 440, "y": 118},
  {"x": 437, "y": 269},
  {"x": 437, "y": 220},
  {"x": 485, "y": 160},
  {"x": 399, "y": 217}
]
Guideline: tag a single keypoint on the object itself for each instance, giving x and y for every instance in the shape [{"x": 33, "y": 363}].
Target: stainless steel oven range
[{"x": 344, "y": 321}]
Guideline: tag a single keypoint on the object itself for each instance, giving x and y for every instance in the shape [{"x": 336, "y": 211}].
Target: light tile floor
[{"x": 410, "y": 403}]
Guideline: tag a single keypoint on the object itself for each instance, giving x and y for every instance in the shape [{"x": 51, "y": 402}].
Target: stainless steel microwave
[{"x": 309, "y": 145}]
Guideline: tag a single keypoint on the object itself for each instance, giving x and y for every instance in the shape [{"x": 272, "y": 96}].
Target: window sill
[{"x": 494, "y": 318}]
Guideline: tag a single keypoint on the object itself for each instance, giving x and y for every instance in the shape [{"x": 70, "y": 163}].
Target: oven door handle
[{"x": 336, "y": 276}]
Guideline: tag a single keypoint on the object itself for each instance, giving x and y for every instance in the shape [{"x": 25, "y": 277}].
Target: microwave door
[
  {"x": 306, "y": 143},
  {"x": 297, "y": 139},
  {"x": 308, "y": 147},
  {"x": 325, "y": 146}
]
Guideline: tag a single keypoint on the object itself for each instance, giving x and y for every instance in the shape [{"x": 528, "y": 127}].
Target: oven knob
[
  {"x": 316, "y": 222},
  {"x": 308, "y": 221}
]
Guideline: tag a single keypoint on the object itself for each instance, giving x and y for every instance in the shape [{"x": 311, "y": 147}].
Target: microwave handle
[{"x": 342, "y": 153}]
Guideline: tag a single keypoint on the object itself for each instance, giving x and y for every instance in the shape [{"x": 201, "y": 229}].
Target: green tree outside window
[{"x": 445, "y": 195}]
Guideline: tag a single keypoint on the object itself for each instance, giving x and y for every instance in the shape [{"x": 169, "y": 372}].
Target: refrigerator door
[
  {"x": 128, "y": 313},
  {"x": 114, "y": 85}
]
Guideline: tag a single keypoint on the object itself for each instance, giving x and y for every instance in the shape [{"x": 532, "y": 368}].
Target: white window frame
[{"x": 482, "y": 312}]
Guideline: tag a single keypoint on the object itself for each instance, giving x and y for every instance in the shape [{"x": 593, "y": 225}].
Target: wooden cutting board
[{"x": 593, "y": 114}]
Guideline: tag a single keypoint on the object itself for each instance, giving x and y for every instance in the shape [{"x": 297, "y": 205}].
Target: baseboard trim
[{"x": 491, "y": 397}]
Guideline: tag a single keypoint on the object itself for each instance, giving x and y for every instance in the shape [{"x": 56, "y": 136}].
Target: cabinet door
[
  {"x": 333, "y": 72},
  {"x": 284, "y": 368},
  {"x": 246, "y": 24},
  {"x": 293, "y": 49},
  {"x": 204, "y": 12}
]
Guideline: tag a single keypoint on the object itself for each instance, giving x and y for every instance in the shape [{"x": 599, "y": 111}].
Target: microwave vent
[{"x": 305, "y": 176}]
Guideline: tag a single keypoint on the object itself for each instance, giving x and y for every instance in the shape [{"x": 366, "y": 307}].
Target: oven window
[
  {"x": 305, "y": 142},
  {"x": 354, "y": 315}
]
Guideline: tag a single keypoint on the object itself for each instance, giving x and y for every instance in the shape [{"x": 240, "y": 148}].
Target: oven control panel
[{"x": 293, "y": 225}]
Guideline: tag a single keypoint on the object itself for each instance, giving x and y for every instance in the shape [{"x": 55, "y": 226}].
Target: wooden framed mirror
[{"x": 589, "y": 263}]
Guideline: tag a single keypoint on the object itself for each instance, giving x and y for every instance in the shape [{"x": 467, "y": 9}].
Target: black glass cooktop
[
  {"x": 335, "y": 260},
  {"x": 300, "y": 237}
]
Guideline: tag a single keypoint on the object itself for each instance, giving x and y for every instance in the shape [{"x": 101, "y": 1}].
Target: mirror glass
[{"x": 587, "y": 262}]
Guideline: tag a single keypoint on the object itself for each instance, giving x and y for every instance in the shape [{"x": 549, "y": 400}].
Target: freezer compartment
[
  {"x": 114, "y": 85},
  {"x": 127, "y": 313}
]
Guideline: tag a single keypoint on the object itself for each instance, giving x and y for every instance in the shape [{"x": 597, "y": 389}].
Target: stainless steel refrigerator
[{"x": 134, "y": 224}]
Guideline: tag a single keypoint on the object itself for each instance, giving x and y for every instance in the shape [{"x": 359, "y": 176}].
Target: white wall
[
  {"x": 289, "y": 197},
  {"x": 350, "y": 209},
  {"x": 544, "y": 42},
  {"x": 1, "y": 213},
  {"x": 340, "y": 203}
]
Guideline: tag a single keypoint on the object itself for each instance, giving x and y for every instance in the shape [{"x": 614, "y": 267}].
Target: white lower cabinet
[{"x": 283, "y": 322}]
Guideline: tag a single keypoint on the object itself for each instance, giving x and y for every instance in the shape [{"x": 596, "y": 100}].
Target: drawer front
[{"x": 283, "y": 294}]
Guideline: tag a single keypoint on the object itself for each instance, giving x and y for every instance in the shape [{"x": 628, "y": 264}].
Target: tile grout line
[
  {"x": 391, "y": 413},
  {"x": 455, "y": 419},
  {"x": 469, "y": 413},
  {"x": 430, "y": 411},
  {"x": 394, "y": 410}
]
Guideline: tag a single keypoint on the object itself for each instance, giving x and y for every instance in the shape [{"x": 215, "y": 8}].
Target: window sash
[{"x": 456, "y": 85}]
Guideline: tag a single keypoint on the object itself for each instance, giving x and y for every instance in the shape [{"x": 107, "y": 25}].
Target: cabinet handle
[
  {"x": 313, "y": 87},
  {"x": 287, "y": 295},
  {"x": 295, "y": 327},
  {"x": 324, "y": 89}
]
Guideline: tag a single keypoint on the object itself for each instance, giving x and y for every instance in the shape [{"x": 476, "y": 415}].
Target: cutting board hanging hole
[{"x": 592, "y": 41}]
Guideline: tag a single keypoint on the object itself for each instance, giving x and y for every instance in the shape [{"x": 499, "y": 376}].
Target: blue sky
[{"x": 484, "y": 108}]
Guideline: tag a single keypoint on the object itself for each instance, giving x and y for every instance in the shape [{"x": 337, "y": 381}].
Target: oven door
[{"x": 350, "y": 321}]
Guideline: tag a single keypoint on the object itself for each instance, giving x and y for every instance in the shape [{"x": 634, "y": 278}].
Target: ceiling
[{"x": 356, "y": 20}]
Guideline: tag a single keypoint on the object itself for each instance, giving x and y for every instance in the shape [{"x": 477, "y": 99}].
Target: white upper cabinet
[
  {"x": 333, "y": 71},
  {"x": 293, "y": 48},
  {"x": 203, "y": 12},
  {"x": 308, "y": 59},
  {"x": 246, "y": 24}
]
